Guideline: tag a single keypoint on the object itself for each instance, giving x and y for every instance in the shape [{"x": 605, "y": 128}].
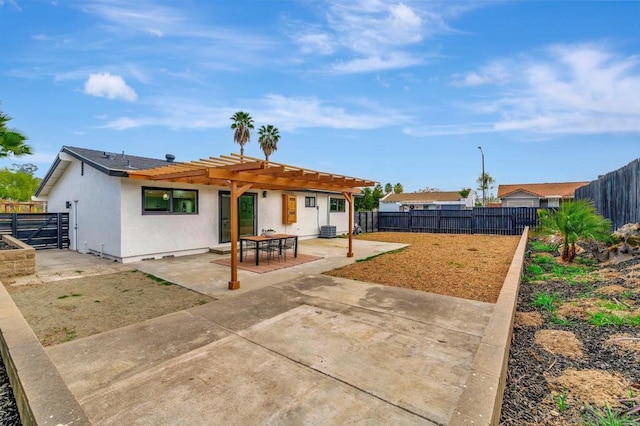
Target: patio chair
[
  {"x": 270, "y": 248},
  {"x": 249, "y": 249},
  {"x": 288, "y": 244}
]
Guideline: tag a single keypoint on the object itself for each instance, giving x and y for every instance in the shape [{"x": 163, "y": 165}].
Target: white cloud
[
  {"x": 448, "y": 130},
  {"x": 309, "y": 112},
  {"x": 155, "y": 32},
  {"x": 377, "y": 63},
  {"x": 497, "y": 72},
  {"x": 139, "y": 16},
  {"x": 109, "y": 86},
  {"x": 316, "y": 43},
  {"x": 286, "y": 113},
  {"x": 565, "y": 89},
  {"x": 376, "y": 35}
]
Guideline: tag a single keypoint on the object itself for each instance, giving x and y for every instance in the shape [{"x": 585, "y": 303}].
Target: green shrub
[
  {"x": 540, "y": 247},
  {"x": 545, "y": 301},
  {"x": 534, "y": 270},
  {"x": 544, "y": 260},
  {"x": 607, "y": 417}
]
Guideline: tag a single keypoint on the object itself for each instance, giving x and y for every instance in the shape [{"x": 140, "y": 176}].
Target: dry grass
[{"x": 466, "y": 266}]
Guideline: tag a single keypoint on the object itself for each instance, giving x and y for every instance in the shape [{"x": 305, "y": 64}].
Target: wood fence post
[
  {"x": 59, "y": 230},
  {"x": 14, "y": 225}
]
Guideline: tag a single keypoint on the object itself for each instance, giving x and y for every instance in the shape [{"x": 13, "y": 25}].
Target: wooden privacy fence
[
  {"x": 22, "y": 206},
  {"x": 616, "y": 195},
  {"x": 39, "y": 230},
  {"x": 479, "y": 220}
]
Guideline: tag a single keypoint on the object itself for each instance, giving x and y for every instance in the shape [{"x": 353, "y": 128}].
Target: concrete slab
[
  {"x": 281, "y": 354},
  {"x": 91, "y": 363},
  {"x": 234, "y": 381},
  {"x": 467, "y": 316},
  {"x": 55, "y": 265},
  {"x": 197, "y": 273},
  {"x": 419, "y": 375}
]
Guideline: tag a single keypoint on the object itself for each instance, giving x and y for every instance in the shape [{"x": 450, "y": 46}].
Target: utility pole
[{"x": 483, "y": 179}]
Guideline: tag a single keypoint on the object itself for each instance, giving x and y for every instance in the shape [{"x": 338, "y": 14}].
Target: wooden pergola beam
[{"x": 241, "y": 173}]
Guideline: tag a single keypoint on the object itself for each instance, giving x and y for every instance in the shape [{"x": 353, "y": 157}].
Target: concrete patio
[{"x": 294, "y": 347}]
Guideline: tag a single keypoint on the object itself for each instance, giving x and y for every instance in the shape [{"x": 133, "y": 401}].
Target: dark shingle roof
[
  {"x": 113, "y": 162},
  {"x": 110, "y": 163}
]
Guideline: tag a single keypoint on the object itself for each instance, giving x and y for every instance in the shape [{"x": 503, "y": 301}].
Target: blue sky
[{"x": 384, "y": 90}]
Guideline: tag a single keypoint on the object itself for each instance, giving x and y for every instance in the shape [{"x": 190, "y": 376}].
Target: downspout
[
  {"x": 317, "y": 212},
  {"x": 328, "y": 209},
  {"x": 75, "y": 224}
]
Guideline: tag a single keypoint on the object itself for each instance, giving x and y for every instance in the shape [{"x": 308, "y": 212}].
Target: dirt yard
[
  {"x": 465, "y": 266},
  {"x": 64, "y": 310}
]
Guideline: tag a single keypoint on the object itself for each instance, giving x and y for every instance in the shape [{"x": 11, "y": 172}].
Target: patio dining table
[{"x": 261, "y": 239}]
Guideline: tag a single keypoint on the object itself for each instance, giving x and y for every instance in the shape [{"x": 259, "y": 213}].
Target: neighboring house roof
[
  {"x": 110, "y": 163},
  {"x": 541, "y": 190},
  {"x": 422, "y": 197}
]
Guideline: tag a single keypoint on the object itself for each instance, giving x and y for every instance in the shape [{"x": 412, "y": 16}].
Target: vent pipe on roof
[{"x": 170, "y": 158}]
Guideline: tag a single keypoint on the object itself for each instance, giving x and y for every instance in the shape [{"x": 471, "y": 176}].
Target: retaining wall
[
  {"x": 481, "y": 400},
  {"x": 17, "y": 262}
]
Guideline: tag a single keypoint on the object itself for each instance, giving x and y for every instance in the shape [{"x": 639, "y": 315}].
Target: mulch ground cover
[
  {"x": 8, "y": 410},
  {"x": 575, "y": 354}
]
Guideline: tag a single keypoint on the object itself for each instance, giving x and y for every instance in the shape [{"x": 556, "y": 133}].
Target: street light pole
[{"x": 483, "y": 180}]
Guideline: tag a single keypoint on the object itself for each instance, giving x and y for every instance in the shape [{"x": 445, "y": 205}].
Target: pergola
[{"x": 241, "y": 173}]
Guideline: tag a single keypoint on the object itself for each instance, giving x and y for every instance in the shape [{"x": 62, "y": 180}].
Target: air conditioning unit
[{"x": 328, "y": 231}]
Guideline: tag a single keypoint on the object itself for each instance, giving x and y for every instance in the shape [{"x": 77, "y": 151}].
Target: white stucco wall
[
  {"x": 390, "y": 207},
  {"x": 157, "y": 235},
  {"x": 310, "y": 219},
  {"x": 98, "y": 207},
  {"x": 520, "y": 199},
  {"x": 110, "y": 219}
]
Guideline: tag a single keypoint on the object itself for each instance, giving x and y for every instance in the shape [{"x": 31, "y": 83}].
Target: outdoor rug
[{"x": 249, "y": 263}]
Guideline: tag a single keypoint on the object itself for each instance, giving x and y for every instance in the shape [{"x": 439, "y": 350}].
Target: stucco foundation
[{"x": 18, "y": 262}]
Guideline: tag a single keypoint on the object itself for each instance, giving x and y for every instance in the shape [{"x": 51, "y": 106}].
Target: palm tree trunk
[
  {"x": 565, "y": 250},
  {"x": 572, "y": 253}
]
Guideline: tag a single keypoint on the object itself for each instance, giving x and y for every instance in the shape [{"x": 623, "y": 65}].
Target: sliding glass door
[{"x": 247, "y": 208}]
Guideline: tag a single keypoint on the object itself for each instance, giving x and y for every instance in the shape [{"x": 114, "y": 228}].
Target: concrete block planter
[{"x": 18, "y": 261}]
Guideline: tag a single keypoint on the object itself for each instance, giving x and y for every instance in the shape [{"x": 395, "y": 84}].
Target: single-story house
[
  {"x": 537, "y": 194},
  {"x": 131, "y": 208},
  {"x": 451, "y": 200}
]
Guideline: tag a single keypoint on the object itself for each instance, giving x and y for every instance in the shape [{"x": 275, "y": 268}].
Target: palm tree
[
  {"x": 242, "y": 126},
  {"x": 574, "y": 220},
  {"x": 398, "y": 189},
  {"x": 268, "y": 139},
  {"x": 12, "y": 141}
]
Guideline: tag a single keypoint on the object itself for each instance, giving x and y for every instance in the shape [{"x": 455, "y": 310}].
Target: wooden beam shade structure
[{"x": 240, "y": 173}]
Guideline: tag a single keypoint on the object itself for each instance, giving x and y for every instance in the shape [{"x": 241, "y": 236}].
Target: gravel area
[
  {"x": 8, "y": 410},
  {"x": 466, "y": 266}
]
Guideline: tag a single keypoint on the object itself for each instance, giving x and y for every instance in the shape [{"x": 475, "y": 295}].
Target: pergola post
[
  {"x": 349, "y": 197},
  {"x": 236, "y": 192}
]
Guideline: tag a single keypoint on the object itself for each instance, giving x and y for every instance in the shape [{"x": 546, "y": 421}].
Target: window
[
  {"x": 337, "y": 205},
  {"x": 169, "y": 201},
  {"x": 309, "y": 201}
]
